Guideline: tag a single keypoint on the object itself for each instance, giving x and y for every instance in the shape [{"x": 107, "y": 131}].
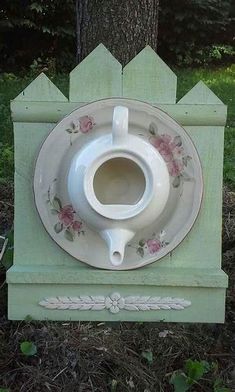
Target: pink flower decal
[
  {"x": 175, "y": 167},
  {"x": 83, "y": 124},
  {"x": 66, "y": 215},
  {"x": 164, "y": 145},
  {"x": 86, "y": 123},
  {"x": 76, "y": 225},
  {"x": 154, "y": 245},
  {"x": 151, "y": 245},
  {"x": 172, "y": 152}
]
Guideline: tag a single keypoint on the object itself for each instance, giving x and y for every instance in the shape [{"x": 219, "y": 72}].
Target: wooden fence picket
[
  {"x": 148, "y": 78},
  {"x": 98, "y": 76}
]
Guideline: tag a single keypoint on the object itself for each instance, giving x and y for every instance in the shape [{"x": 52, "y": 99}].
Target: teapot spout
[{"x": 116, "y": 240}]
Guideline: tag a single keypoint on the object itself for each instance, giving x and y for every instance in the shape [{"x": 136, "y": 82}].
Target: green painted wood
[
  {"x": 204, "y": 240},
  {"x": 98, "y": 76},
  {"x": 200, "y": 93},
  {"x": 188, "y": 114},
  {"x": 149, "y": 79},
  {"x": 207, "y": 140},
  {"x": 32, "y": 244},
  {"x": 28, "y": 139},
  {"x": 191, "y": 271},
  {"x": 30, "y": 235},
  {"x": 204, "y": 302},
  {"x": 48, "y": 274},
  {"x": 41, "y": 89}
]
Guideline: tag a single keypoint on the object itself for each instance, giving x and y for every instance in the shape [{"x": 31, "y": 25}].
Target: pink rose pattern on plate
[
  {"x": 65, "y": 215},
  {"x": 84, "y": 124},
  {"x": 172, "y": 152},
  {"x": 168, "y": 146},
  {"x": 67, "y": 218},
  {"x": 151, "y": 245}
]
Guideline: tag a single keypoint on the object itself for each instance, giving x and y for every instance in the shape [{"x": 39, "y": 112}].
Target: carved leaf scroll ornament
[{"x": 115, "y": 302}]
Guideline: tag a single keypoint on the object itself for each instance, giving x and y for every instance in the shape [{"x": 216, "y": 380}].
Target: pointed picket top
[
  {"x": 200, "y": 94},
  {"x": 98, "y": 76},
  {"x": 148, "y": 78},
  {"x": 41, "y": 89}
]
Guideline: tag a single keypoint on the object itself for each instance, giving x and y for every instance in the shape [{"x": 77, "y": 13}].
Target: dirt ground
[{"x": 102, "y": 357}]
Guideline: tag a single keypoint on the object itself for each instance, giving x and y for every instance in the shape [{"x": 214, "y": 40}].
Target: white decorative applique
[{"x": 114, "y": 303}]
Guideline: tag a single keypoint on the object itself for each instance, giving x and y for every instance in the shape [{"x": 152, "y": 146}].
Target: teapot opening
[{"x": 119, "y": 181}]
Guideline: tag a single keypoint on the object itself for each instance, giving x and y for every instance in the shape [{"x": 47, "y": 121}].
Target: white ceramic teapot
[{"x": 119, "y": 183}]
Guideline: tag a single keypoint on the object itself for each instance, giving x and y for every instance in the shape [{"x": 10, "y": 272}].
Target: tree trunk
[{"x": 123, "y": 26}]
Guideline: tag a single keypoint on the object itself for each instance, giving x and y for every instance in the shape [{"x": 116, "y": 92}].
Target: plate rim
[{"x": 150, "y": 259}]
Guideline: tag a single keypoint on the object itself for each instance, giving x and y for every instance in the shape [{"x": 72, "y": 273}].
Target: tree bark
[{"x": 123, "y": 26}]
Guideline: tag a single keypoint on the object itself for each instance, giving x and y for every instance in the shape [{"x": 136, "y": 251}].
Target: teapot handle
[{"x": 120, "y": 124}]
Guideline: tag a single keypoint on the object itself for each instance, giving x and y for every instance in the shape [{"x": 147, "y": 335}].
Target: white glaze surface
[{"x": 92, "y": 124}]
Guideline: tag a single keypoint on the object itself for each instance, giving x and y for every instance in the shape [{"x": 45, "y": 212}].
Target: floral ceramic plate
[{"x": 86, "y": 124}]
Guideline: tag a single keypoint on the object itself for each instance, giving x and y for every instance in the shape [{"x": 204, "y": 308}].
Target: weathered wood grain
[
  {"x": 204, "y": 302},
  {"x": 185, "y": 114},
  {"x": 98, "y": 76},
  {"x": 200, "y": 93},
  {"x": 41, "y": 89},
  {"x": 174, "y": 276},
  {"x": 149, "y": 79}
]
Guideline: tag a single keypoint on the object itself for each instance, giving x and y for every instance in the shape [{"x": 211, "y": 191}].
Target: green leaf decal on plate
[
  {"x": 140, "y": 251},
  {"x": 141, "y": 243},
  {"x": 54, "y": 212},
  {"x": 176, "y": 182},
  {"x": 58, "y": 227},
  {"x": 153, "y": 129},
  {"x": 178, "y": 141},
  {"x": 185, "y": 160},
  {"x": 57, "y": 203},
  {"x": 69, "y": 235}
]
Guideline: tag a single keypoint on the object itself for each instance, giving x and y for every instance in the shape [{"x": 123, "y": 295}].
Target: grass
[{"x": 220, "y": 80}]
